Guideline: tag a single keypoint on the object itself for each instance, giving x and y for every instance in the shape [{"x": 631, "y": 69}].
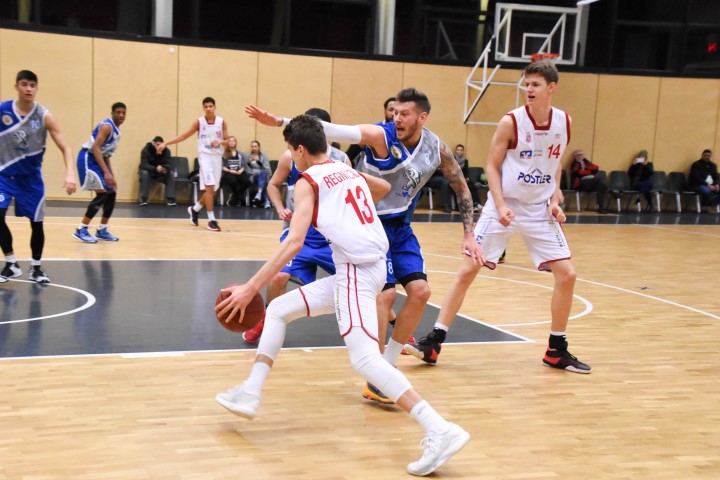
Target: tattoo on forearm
[{"x": 452, "y": 172}]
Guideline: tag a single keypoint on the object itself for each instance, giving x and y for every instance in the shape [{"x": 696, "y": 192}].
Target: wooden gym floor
[{"x": 111, "y": 371}]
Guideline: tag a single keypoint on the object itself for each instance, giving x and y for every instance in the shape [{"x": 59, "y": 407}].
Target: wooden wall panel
[
  {"x": 228, "y": 76},
  {"x": 444, "y": 86},
  {"x": 687, "y": 122},
  {"x": 144, "y": 77},
  {"x": 577, "y": 95},
  {"x": 359, "y": 89},
  {"x": 63, "y": 65},
  {"x": 626, "y": 119},
  {"x": 288, "y": 85}
]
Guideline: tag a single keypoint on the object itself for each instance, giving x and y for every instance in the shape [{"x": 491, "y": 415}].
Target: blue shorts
[
  {"x": 29, "y": 194},
  {"x": 304, "y": 265},
  {"x": 90, "y": 173},
  {"x": 405, "y": 262}
]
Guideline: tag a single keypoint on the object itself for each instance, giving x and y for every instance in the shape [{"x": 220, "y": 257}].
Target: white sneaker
[
  {"x": 239, "y": 402},
  {"x": 438, "y": 450}
]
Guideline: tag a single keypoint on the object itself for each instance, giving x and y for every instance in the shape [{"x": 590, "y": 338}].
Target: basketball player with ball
[
  {"x": 339, "y": 202},
  {"x": 523, "y": 171}
]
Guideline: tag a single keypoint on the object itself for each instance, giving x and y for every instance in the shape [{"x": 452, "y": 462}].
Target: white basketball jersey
[
  {"x": 528, "y": 171},
  {"x": 345, "y": 213},
  {"x": 207, "y": 133}
]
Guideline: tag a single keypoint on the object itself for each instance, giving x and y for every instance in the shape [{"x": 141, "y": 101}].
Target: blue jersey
[
  {"x": 22, "y": 139},
  {"x": 406, "y": 171},
  {"x": 111, "y": 142}
]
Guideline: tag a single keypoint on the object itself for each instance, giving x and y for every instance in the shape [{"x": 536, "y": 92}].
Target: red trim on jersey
[
  {"x": 307, "y": 306},
  {"x": 567, "y": 126},
  {"x": 514, "y": 143},
  {"x": 535, "y": 126},
  {"x": 544, "y": 268},
  {"x": 317, "y": 196},
  {"x": 348, "y": 303}
]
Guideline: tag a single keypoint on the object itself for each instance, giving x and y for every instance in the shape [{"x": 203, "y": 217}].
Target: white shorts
[
  {"x": 210, "y": 170},
  {"x": 352, "y": 294},
  {"x": 543, "y": 235}
]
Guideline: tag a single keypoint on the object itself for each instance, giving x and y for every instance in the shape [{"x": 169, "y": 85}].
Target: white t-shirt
[{"x": 207, "y": 133}]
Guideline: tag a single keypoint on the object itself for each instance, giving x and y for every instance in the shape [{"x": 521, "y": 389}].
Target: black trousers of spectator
[
  {"x": 595, "y": 184},
  {"x": 147, "y": 178},
  {"x": 238, "y": 184},
  {"x": 440, "y": 184}
]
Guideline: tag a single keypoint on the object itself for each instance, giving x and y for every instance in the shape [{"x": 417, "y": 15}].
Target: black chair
[
  {"x": 475, "y": 176},
  {"x": 620, "y": 184},
  {"x": 567, "y": 191},
  {"x": 660, "y": 187},
  {"x": 181, "y": 170},
  {"x": 676, "y": 183}
]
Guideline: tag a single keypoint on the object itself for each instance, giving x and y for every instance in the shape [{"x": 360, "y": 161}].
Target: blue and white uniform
[
  {"x": 316, "y": 250},
  {"x": 407, "y": 171},
  {"x": 22, "y": 146},
  {"x": 91, "y": 175}
]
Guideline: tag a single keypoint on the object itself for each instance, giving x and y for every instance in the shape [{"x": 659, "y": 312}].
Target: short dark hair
[
  {"x": 460, "y": 145},
  {"x": 391, "y": 99},
  {"x": 544, "y": 68},
  {"x": 208, "y": 100},
  {"x": 414, "y": 95},
  {"x": 306, "y": 131},
  {"x": 158, "y": 139},
  {"x": 707, "y": 150},
  {"x": 319, "y": 113},
  {"x": 117, "y": 105},
  {"x": 26, "y": 75}
]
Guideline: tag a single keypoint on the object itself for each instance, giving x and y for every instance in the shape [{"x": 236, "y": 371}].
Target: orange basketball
[{"x": 254, "y": 312}]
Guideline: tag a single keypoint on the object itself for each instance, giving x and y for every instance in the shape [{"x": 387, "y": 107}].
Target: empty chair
[
  {"x": 660, "y": 187},
  {"x": 181, "y": 167},
  {"x": 676, "y": 182},
  {"x": 619, "y": 184},
  {"x": 566, "y": 191}
]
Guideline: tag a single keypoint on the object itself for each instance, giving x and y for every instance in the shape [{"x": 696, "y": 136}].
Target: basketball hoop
[{"x": 536, "y": 57}]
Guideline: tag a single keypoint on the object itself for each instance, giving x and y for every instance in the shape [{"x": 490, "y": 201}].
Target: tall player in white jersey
[
  {"x": 212, "y": 135},
  {"x": 523, "y": 170},
  {"x": 339, "y": 202}
]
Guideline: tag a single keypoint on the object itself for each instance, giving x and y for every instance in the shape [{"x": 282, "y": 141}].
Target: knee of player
[{"x": 420, "y": 291}]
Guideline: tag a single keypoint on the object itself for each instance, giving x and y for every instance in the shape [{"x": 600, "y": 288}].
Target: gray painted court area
[{"x": 155, "y": 306}]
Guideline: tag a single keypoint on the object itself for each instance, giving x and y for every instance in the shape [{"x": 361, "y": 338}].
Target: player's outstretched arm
[
  {"x": 70, "y": 185},
  {"x": 194, "y": 128}
]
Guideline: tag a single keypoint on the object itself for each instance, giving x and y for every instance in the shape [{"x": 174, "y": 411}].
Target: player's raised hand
[{"x": 266, "y": 118}]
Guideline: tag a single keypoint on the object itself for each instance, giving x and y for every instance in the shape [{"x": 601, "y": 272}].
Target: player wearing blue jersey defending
[
  {"x": 404, "y": 153},
  {"x": 24, "y": 125},
  {"x": 96, "y": 174},
  {"x": 316, "y": 250}
]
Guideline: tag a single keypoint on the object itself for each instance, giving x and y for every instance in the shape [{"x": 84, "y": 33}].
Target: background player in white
[
  {"x": 95, "y": 170},
  {"x": 406, "y": 154},
  {"x": 316, "y": 250},
  {"x": 24, "y": 125},
  {"x": 338, "y": 201},
  {"x": 212, "y": 135},
  {"x": 523, "y": 170}
]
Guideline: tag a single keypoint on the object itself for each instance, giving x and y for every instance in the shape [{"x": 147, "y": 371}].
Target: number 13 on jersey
[{"x": 362, "y": 210}]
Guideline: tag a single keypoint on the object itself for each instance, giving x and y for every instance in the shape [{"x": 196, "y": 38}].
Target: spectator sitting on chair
[
  {"x": 257, "y": 166},
  {"x": 585, "y": 179},
  {"x": 465, "y": 167},
  {"x": 234, "y": 175},
  {"x": 640, "y": 173},
  {"x": 156, "y": 167},
  {"x": 704, "y": 179}
]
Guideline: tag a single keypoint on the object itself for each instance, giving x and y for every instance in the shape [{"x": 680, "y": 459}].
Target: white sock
[
  {"x": 35, "y": 263},
  {"x": 83, "y": 225},
  {"x": 197, "y": 207},
  {"x": 211, "y": 215},
  {"x": 392, "y": 351},
  {"x": 256, "y": 379},
  {"x": 430, "y": 420},
  {"x": 10, "y": 258},
  {"x": 441, "y": 326},
  {"x": 102, "y": 225},
  {"x": 557, "y": 334}
]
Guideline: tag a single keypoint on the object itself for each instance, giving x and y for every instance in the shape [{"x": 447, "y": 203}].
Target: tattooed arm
[{"x": 452, "y": 172}]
